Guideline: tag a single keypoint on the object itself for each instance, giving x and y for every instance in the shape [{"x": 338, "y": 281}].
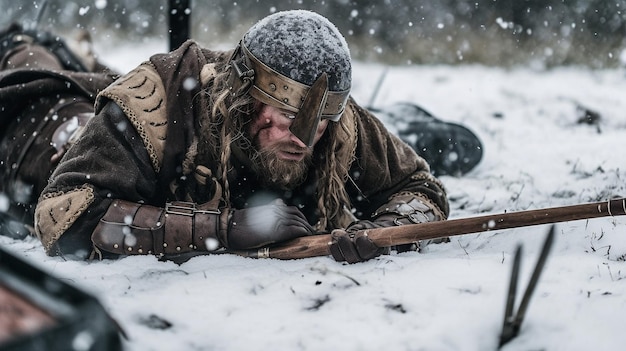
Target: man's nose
[
  {"x": 284, "y": 126},
  {"x": 297, "y": 141}
]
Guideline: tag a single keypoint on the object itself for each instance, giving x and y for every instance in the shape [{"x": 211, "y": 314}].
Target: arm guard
[
  {"x": 129, "y": 228},
  {"x": 407, "y": 208}
]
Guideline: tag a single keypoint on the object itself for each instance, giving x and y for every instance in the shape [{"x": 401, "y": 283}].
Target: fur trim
[
  {"x": 207, "y": 73},
  {"x": 190, "y": 157}
]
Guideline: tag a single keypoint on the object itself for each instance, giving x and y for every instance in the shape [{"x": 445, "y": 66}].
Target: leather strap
[{"x": 187, "y": 227}]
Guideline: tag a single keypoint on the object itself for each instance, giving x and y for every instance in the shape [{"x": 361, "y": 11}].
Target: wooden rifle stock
[{"x": 319, "y": 245}]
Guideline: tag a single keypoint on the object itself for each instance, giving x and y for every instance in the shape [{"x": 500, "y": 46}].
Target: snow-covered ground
[{"x": 451, "y": 297}]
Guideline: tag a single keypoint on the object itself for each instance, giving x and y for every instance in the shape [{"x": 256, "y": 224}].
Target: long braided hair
[
  {"x": 333, "y": 202},
  {"x": 225, "y": 124}
]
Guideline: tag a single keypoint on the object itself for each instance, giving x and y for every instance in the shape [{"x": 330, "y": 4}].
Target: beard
[{"x": 278, "y": 173}]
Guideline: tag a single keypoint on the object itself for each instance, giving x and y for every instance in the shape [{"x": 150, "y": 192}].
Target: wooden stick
[{"x": 319, "y": 245}]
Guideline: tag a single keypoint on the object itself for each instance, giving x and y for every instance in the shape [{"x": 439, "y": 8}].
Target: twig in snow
[
  {"x": 397, "y": 307},
  {"x": 325, "y": 270},
  {"x": 319, "y": 302}
]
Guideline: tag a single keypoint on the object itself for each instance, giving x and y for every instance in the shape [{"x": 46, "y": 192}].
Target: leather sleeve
[
  {"x": 385, "y": 167},
  {"x": 108, "y": 162}
]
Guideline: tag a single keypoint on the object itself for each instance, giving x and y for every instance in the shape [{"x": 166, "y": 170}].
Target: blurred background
[{"x": 505, "y": 33}]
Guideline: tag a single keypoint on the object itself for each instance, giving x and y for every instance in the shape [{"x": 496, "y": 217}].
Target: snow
[{"x": 452, "y": 296}]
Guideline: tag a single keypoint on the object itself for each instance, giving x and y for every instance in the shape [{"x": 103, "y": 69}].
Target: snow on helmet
[{"x": 297, "y": 61}]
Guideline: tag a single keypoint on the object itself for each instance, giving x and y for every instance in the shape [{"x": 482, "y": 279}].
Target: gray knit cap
[{"x": 302, "y": 45}]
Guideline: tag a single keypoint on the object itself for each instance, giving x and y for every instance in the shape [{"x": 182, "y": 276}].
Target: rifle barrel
[{"x": 319, "y": 245}]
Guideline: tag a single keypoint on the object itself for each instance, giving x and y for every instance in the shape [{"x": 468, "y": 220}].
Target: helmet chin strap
[{"x": 309, "y": 115}]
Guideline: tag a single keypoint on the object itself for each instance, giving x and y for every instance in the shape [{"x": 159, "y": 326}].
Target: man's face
[{"x": 282, "y": 158}]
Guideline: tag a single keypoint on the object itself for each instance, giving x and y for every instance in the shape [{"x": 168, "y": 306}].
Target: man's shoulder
[
  {"x": 141, "y": 96},
  {"x": 189, "y": 58},
  {"x": 364, "y": 118}
]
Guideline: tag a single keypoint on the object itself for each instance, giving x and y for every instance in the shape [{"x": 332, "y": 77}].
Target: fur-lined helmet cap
[{"x": 297, "y": 61}]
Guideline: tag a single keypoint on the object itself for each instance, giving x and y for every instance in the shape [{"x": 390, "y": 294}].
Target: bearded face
[
  {"x": 278, "y": 172},
  {"x": 281, "y": 160}
]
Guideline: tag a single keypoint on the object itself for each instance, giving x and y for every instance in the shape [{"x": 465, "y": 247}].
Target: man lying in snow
[{"x": 198, "y": 150}]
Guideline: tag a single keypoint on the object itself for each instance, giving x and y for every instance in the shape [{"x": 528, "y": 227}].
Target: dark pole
[{"x": 179, "y": 13}]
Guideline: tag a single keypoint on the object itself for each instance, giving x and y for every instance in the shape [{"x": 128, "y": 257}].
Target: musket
[{"x": 319, "y": 245}]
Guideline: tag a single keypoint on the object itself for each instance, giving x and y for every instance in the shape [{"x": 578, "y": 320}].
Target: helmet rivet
[
  {"x": 285, "y": 87},
  {"x": 115, "y": 246},
  {"x": 273, "y": 86},
  {"x": 285, "y": 100}
]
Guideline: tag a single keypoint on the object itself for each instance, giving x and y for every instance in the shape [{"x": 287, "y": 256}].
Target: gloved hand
[
  {"x": 353, "y": 245},
  {"x": 268, "y": 224},
  {"x": 360, "y": 225}
]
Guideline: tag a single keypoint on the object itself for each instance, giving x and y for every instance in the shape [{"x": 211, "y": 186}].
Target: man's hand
[
  {"x": 264, "y": 225},
  {"x": 353, "y": 245}
]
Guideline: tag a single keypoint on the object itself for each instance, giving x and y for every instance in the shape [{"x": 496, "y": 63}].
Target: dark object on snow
[
  {"x": 42, "y": 111},
  {"x": 155, "y": 322},
  {"x": 179, "y": 22},
  {"x": 41, "y": 312},
  {"x": 449, "y": 148},
  {"x": 513, "y": 320},
  {"x": 11, "y": 227},
  {"x": 589, "y": 117},
  {"x": 16, "y": 35}
]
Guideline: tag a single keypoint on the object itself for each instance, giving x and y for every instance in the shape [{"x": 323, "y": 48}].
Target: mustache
[
  {"x": 277, "y": 173},
  {"x": 287, "y": 146}
]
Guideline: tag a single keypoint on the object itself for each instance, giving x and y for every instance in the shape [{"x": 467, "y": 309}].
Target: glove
[
  {"x": 361, "y": 225},
  {"x": 353, "y": 245},
  {"x": 264, "y": 225}
]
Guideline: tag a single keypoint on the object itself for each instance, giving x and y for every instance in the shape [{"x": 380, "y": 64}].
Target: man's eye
[{"x": 289, "y": 115}]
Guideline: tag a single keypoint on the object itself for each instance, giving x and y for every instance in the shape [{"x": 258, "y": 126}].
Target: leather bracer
[
  {"x": 129, "y": 228},
  {"x": 407, "y": 208}
]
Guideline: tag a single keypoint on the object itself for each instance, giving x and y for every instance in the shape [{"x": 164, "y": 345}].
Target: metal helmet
[{"x": 297, "y": 61}]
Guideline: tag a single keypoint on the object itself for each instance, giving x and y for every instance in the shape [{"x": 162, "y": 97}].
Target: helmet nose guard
[{"x": 304, "y": 126}]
